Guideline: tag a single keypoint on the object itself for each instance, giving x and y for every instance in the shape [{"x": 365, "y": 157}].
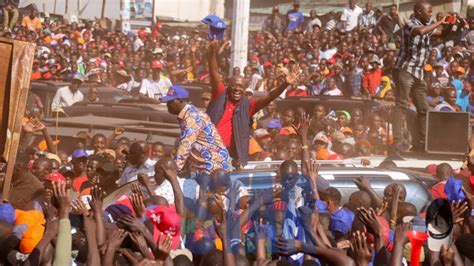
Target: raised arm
[
  {"x": 213, "y": 66},
  {"x": 263, "y": 101},
  {"x": 425, "y": 29},
  {"x": 172, "y": 177}
]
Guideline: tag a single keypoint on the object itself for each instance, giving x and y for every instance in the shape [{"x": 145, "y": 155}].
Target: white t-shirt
[
  {"x": 65, "y": 97},
  {"x": 351, "y": 17},
  {"x": 156, "y": 89},
  {"x": 335, "y": 92}
]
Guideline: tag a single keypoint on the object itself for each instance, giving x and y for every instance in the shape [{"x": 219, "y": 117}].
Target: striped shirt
[{"x": 414, "y": 50}]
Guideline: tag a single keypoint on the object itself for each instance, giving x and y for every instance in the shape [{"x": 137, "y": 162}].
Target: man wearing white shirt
[
  {"x": 69, "y": 95},
  {"x": 139, "y": 163},
  {"x": 350, "y": 16},
  {"x": 158, "y": 86}
]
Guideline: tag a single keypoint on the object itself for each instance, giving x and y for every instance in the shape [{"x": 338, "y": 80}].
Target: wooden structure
[{"x": 16, "y": 61}]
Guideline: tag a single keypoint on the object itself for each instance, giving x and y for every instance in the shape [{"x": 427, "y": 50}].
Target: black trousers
[{"x": 406, "y": 86}]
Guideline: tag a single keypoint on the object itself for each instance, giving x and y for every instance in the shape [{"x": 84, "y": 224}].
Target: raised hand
[
  {"x": 170, "y": 174},
  {"x": 458, "y": 209},
  {"x": 163, "y": 246},
  {"x": 362, "y": 183},
  {"x": 401, "y": 230},
  {"x": 369, "y": 219},
  {"x": 138, "y": 205},
  {"x": 132, "y": 223},
  {"x": 288, "y": 247},
  {"x": 446, "y": 255},
  {"x": 62, "y": 197},
  {"x": 304, "y": 127},
  {"x": 96, "y": 201},
  {"x": 119, "y": 131},
  {"x": 362, "y": 251},
  {"x": 116, "y": 239},
  {"x": 313, "y": 171},
  {"x": 79, "y": 207},
  {"x": 140, "y": 242}
]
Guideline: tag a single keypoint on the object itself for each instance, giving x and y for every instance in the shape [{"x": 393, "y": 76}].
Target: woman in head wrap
[{"x": 385, "y": 86}]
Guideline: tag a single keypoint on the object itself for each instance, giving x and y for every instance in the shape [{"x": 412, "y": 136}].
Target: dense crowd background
[{"x": 56, "y": 213}]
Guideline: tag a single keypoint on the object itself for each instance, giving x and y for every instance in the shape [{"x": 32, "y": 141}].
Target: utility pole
[
  {"x": 66, "y": 6},
  {"x": 103, "y": 9},
  {"x": 240, "y": 34}
]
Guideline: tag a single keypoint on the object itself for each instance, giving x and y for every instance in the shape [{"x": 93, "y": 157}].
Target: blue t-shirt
[{"x": 295, "y": 19}]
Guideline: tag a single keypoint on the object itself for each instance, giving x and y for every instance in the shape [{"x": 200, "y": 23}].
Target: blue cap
[
  {"x": 216, "y": 27},
  {"x": 274, "y": 123},
  {"x": 453, "y": 189},
  {"x": 79, "y": 153},
  {"x": 341, "y": 221},
  {"x": 7, "y": 213},
  {"x": 214, "y": 21},
  {"x": 321, "y": 206},
  {"x": 175, "y": 92}
]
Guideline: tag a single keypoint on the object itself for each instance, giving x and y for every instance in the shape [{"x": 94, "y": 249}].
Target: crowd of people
[{"x": 182, "y": 205}]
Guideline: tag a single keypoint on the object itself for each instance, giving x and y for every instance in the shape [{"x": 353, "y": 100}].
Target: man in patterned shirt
[
  {"x": 408, "y": 73},
  {"x": 199, "y": 141}
]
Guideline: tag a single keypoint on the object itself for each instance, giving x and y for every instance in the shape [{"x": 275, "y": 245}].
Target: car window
[{"x": 374, "y": 176}]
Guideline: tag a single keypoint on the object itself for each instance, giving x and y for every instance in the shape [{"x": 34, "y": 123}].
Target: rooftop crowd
[{"x": 184, "y": 207}]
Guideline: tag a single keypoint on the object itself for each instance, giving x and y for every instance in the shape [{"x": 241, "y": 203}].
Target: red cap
[
  {"x": 285, "y": 61},
  {"x": 156, "y": 64},
  {"x": 121, "y": 64},
  {"x": 255, "y": 58},
  {"x": 165, "y": 219},
  {"x": 267, "y": 64},
  {"x": 55, "y": 177}
]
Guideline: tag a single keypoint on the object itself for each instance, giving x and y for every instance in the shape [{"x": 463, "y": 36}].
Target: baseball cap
[
  {"x": 346, "y": 130},
  {"x": 175, "y": 92},
  {"x": 67, "y": 171},
  {"x": 115, "y": 212},
  {"x": 338, "y": 136},
  {"x": 158, "y": 51},
  {"x": 274, "y": 123},
  {"x": 55, "y": 177},
  {"x": 453, "y": 189},
  {"x": 79, "y": 77},
  {"x": 165, "y": 219},
  {"x": 156, "y": 64},
  {"x": 321, "y": 137},
  {"x": 439, "y": 224},
  {"x": 216, "y": 26},
  {"x": 461, "y": 70},
  {"x": 344, "y": 113},
  {"x": 79, "y": 153},
  {"x": 53, "y": 156},
  {"x": 7, "y": 213},
  {"x": 341, "y": 221},
  {"x": 109, "y": 152}
]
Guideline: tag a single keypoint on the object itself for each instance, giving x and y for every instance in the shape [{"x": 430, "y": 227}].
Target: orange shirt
[
  {"x": 31, "y": 24},
  {"x": 372, "y": 80}
]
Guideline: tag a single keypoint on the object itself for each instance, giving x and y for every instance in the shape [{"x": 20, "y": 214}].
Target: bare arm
[
  {"x": 213, "y": 66},
  {"x": 425, "y": 29},
  {"x": 172, "y": 176}
]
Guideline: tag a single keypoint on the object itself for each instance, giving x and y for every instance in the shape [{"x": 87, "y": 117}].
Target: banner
[{"x": 136, "y": 14}]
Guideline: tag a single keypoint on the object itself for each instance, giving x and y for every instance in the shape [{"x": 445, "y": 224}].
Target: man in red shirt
[
  {"x": 232, "y": 113},
  {"x": 373, "y": 77}
]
